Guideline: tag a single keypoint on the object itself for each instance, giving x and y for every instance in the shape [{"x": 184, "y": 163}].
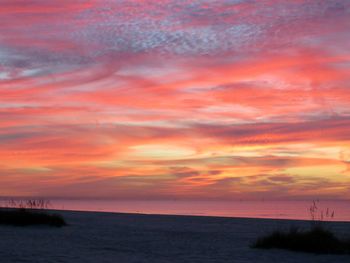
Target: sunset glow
[{"x": 175, "y": 99}]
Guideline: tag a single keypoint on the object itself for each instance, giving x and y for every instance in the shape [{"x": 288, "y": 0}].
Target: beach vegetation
[
  {"x": 317, "y": 240},
  {"x": 28, "y": 213}
]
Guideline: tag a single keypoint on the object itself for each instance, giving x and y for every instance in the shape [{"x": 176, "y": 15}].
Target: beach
[{"x": 117, "y": 237}]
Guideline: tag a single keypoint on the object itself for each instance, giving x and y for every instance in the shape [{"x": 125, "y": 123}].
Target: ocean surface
[
  {"x": 251, "y": 209},
  {"x": 325, "y": 210}
]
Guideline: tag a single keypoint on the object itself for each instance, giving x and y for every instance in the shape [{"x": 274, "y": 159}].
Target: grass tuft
[
  {"x": 28, "y": 217},
  {"x": 316, "y": 240}
]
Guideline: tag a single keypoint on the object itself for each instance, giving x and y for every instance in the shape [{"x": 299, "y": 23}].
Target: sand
[{"x": 112, "y": 237}]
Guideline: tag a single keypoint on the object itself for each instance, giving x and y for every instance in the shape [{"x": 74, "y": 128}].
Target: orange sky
[{"x": 175, "y": 99}]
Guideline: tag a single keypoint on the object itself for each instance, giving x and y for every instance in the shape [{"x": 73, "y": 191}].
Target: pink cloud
[{"x": 135, "y": 95}]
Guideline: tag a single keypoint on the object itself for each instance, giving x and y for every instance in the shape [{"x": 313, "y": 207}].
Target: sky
[{"x": 175, "y": 99}]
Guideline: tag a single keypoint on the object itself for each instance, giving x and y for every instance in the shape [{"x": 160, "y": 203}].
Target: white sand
[{"x": 110, "y": 237}]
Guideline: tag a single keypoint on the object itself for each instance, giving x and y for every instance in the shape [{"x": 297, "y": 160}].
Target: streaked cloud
[{"x": 198, "y": 99}]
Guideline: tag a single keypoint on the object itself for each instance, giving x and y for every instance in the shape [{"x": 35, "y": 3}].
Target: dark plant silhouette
[
  {"x": 318, "y": 215},
  {"x": 316, "y": 240},
  {"x": 25, "y": 217},
  {"x": 29, "y": 212},
  {"x": 28, "y": 204}
]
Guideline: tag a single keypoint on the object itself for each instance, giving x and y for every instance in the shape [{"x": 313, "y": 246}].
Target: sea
[
  {"x": 323, "y": 210},
  {"x": 301, "y": 210}
]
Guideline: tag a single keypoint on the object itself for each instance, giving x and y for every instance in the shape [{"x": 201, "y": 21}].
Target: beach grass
[
  {"x": 317, "y": 240},
  {"x": 29, "y": 217}
]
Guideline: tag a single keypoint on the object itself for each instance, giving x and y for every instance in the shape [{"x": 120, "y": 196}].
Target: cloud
[
  {"x": 215, "y": 99},
  {"x": 270, "y": 133}
]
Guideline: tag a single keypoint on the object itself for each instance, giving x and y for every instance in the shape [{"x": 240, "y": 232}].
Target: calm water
[{"x": 256, "y": 209}]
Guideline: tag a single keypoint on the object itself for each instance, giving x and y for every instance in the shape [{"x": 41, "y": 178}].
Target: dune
[{"x": 114, "y": 237}]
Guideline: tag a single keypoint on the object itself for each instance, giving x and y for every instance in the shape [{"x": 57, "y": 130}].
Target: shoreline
[
  {"x": 194, "y": 215},
  {"x": 290, "y": 210}
]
